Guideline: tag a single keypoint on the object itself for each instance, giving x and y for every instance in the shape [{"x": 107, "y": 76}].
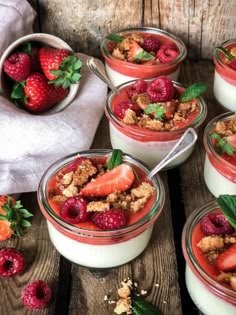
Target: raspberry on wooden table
[
  {"x": 36, "y": 295},
  {"x": 110, "y": 220},
  {"x": 161, "y": 89},
  {"x": 12, "y": 262}
]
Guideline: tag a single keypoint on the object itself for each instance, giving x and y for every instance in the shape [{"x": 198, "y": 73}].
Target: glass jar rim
[
  {"x": 142, "y": 131},
  {"x": 216, "y": 54},
  {"x": 191, "y": 259},
  {"x": 180, "y": 44},
  {"x": 150, "y": 217},
  {"x": 208, "y": 143}
]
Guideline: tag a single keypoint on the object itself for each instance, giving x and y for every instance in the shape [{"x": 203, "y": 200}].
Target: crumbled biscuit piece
[
  {"x": 118, "y": 54},
  {"x": 233, "y": 282},
  {"x": 123, "y": 305},
  {"x": 59, "y": 199},
  {"x": 143, "y": 190},
  {"x": 230, "y": 239},
  {"x": 125, "y": 44},
  {"x": 211, "y": 256},
  {"x": 228, "y": 277},
  {"x": 211, "y": 243},
  {"x": 152, "y": 124},
  {"x": 98, "y": 206},
  {"x": 138, "y": 204},
  {"x": 130, "y": 117},
  {"x": 125, "y": 291},
  {"x": 138, "y": 38},
  {"x": 67, "y": 178},
  {"x": 119, "y": 200},
  {"x": 220, "y": 128},
  {"x": 186, "y": 107},
  {"x": 233, "y": 51},
  {"x": 70, "y": 191},
  {"x": 142, "y": 100},
  {"x": 84, "y": 171}
]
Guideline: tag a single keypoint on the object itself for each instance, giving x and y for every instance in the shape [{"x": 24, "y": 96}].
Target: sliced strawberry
[
  {"x": 119, "y": 178},
  {"x": 226, "y": 261},
  {"x": 231, "y": 140},
  {"x": 137, "y": 53}
]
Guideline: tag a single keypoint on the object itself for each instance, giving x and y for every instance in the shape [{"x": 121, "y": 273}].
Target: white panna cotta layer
[
  {"x": 224, "y": 92},
  {"x": 119, "y": 78},
  {"x": 216, "y": 182},
  {"x": 150, "y": 152},
  {"x": 99, "y": 256},
  {"x": 204, "y": 299}
]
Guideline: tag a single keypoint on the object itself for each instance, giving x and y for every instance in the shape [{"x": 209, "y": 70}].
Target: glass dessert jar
[
  {"x": 122, "y": 70},
  {"x": 219, "y": 168},
  {"x": 224, "y": 86},
  {"x": 150, "y": 146},
  {"x": 209, "y": 295},
  {"x": 85, "y": 243}
]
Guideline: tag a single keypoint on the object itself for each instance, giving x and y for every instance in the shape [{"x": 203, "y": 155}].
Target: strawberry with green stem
[{"x": 60, "y": 66}]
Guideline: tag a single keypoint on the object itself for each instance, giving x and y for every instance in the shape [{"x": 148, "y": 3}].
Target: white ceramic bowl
[{"x": 44, "y": 39}]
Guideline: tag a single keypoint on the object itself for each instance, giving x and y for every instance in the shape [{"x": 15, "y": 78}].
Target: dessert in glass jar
[
  {"x": 209, "y": 248},
  {"x": 224, "y": 86},
  {"x": 148, "y": 117},
  {"x": 99, "y": 207},
  {"x": 142, "y": 53},
  {"x": 220, "y": 161}
]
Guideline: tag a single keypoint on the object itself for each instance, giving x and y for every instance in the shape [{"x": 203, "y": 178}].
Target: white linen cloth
[{"x": 31, "y": 143}]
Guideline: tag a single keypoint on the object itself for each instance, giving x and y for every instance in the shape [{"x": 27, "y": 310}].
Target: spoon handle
[
  {"x": 94, "y": 67},
  {"x": 185, "y": 142}
]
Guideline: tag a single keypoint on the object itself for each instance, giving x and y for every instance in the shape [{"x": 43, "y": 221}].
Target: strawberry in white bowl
[{"x": 40, "y": 73}]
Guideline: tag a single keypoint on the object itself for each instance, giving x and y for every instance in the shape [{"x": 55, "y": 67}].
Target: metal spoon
[
  {"x": 185, "y": 142},
  {"x": 92, "y": 65}
]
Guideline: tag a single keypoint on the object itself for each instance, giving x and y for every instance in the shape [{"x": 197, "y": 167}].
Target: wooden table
[{"x": 78, "y": 290}]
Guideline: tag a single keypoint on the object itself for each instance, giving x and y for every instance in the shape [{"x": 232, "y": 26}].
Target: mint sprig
[
  {"x": 116, "y": 38},
  {"x": 193, "y": 91},
  {"x": 222, "y": 145},
  {"x": 157, "y": 109},
  {"x": 143, "y": 55},
  {"x": 226, "y": 53},
  {"x": 227, "y": 204},
  {"x": 142, "y": 307},
  {"x": 115, "y": 159}
]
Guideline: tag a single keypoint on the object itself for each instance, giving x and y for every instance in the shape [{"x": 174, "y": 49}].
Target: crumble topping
[{"x": 226, "y": 128}]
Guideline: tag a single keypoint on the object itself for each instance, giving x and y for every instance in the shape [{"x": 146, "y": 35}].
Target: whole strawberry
[
  {"x": 60, "y": 66},
  {"x": 17, "y": 66},
  {"x": 36, "y": 94}
]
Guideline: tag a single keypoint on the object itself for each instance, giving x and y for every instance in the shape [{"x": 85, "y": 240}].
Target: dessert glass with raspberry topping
[
  {"x": 99, "y": 207},
  {"x": 148, "y": 117},
  {"x": 142, "y": 53},
  {"x": 220, "y": 161},
  {"x": 224, "y": 86},
  {"x": 209, "y": 248}
]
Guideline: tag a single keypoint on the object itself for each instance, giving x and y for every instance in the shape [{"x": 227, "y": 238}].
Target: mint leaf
[
  {"x": 222, "y": 145},
  {"x": 157, "y": 109},
  {"x": 143, "y": 55},
  {"x": 142, "y": 307},
  {"x": 193, "y": 91},
  {"x": 226, "y": 53},
  {"x": 227, "y": 204},
  {"x": 115, "y": 159},
  {"x": 116, "y": 38}
]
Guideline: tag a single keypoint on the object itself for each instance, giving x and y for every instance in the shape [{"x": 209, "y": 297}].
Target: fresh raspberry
[
  {"x": 167, "y": 53},
  {"x": 74, "y": 210},
  {"x": 36, "y": 295},
  {"x": 72, "y": 167},
  {"x": 137, "y": 87},
  {"x": 216, "y": 224},
  {"x": 161, "y": 89},
  {"x": 110, "y": 220},
  {"x": 123, "y": 106},
  {"x": 232, "y": 64},
  {"x": 12, "y": 262},
  {"x": 151, "y": 44},
  {"x": 18, "y": 66}
]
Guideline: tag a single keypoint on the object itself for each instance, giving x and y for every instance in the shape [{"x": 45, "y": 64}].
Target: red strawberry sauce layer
[
  {"x": 147, "y": 70},
  {"x": 89, "y": 225},
  {"x": 149, "y": 135},
  {"x": 223, "y": 69}
]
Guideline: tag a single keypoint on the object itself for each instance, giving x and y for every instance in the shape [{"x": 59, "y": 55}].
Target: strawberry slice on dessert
[
  {"x": 119, "y": 178},
  {"x": 226, "y": 261},
  {"x": 138, "y": 54}
]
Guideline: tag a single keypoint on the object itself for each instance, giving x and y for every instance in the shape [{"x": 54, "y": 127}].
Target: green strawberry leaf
[
  {"x": 115, "y": 159},
  {"x": 77, "y": 65},
  {"x": 222, "y": 145},
  {"x": 3, "y": 217},
  {"x": 18, "y": 90},
  {"x": 143, "y": 55},
  {"x": 157, "y": 109},
  {"x": 193, "y": 91},
  {"x": 25, "y": 213},
  {"x": 142, "y": 307},
  {"x": 227, "y": 204},
  {"x": 226, "y": 53},
  {"x": 116, "y": 38},
  {"x": 25, "y": 223}
]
